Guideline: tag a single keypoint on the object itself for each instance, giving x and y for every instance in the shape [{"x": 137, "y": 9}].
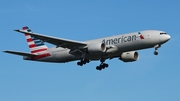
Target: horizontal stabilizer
[{"x": 19, "y": 53}]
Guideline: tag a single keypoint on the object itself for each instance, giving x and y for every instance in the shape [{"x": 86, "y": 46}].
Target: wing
[
  {"x": 59, "y": 42},
  {"x": 20, "y": 53}
]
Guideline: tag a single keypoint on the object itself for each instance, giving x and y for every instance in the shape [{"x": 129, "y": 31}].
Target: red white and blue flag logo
[
  {"x": 36, "y": 46},
  {"x": 140, "y": 35}
]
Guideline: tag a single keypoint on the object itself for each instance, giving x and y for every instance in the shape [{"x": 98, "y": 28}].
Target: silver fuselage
[{"x": 120, "y": 43}]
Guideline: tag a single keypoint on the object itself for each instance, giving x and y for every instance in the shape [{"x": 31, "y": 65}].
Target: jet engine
[
  {"x": 96, "y": 48},
  {"x": 129, "y": 56}
]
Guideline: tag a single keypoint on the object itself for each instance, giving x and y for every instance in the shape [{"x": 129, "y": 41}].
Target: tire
[{"x": 155, "y": 53}]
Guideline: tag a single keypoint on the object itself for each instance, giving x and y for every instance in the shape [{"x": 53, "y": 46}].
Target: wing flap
[
  {"x": 19, "y": 53},
  {"x": 59, "y": 42}
]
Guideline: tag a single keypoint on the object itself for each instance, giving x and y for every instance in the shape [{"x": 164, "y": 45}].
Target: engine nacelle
[
  {"x": 96, "y": 48},
  {"x": 129, "y": 56}
]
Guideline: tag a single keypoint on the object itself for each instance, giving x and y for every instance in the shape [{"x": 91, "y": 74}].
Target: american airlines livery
[{"x": 121, "y": 46}]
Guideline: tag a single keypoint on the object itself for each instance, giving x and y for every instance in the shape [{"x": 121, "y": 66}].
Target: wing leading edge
[{"x": 59, "y": 42}]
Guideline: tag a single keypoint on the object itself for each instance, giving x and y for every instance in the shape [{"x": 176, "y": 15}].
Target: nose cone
[{"x": 165, "y": 38}]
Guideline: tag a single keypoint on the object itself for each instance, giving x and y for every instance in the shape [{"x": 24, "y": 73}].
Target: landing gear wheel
[
  {"x": 98, "y": 68},
  {"x": 155, "y": 53},
  {"x": 106, "y": 65},
  {"x": 79, "y": 63},
  {"x": 102, "y": 66},
  {"x": 83, "y": 62}
]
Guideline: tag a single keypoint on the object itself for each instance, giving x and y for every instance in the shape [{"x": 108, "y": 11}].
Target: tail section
[{"x": 36, "y": 46}]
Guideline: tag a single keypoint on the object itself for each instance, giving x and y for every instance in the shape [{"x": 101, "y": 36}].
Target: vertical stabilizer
[{"x": 36, "y": 46}]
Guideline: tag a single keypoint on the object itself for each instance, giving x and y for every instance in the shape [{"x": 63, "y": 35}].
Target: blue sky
[{"x": 151, "y": 78}]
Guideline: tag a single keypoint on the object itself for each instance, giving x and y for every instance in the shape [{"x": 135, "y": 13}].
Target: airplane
[{"x": 122, "y": 46}]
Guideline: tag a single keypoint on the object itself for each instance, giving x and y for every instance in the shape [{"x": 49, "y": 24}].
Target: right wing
[
  {"x": 19, "y": 53},
  {"x": 59, "y": 42}
]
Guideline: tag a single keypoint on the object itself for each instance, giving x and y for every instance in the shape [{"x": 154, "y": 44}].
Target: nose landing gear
[
  {"x": 156, "y": 48},
  {"x": 155, "y": 53}
]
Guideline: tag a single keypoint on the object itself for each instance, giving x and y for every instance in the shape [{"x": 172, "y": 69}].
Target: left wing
[{"x": 59, "y": 42}]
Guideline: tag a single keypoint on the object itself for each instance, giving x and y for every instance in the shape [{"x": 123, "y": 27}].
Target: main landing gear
[
  {"x": 156, "y": 48},
  {"x": 83, "y": 62},
  {"x": 102, "y": 65}
]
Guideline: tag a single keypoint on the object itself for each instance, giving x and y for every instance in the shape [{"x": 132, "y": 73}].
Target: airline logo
[
  {"x": 36, "y": 45},
  {"x": 140, "y": 35},
  {"x": 122, "y": 39}
]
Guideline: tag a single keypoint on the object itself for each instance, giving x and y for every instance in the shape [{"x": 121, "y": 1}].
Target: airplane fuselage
[{"x": 116, "y": 45}]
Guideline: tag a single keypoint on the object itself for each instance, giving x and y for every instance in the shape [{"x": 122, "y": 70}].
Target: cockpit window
[{"x": 162, "y": 33}]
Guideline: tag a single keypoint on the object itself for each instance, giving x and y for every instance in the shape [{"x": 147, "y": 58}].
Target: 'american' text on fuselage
[{"x": 119, "y": 40}]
